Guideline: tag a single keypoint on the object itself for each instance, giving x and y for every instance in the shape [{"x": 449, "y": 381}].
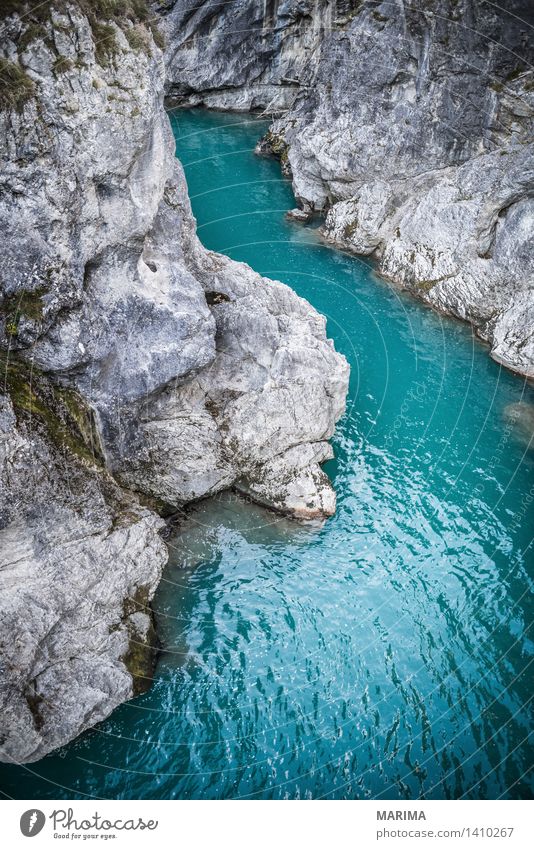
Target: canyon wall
[{"x": 142, "y": 372}]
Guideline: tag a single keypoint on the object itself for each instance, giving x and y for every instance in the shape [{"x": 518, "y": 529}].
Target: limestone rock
[
  {"x": 129, "y": 316},
  {"x": 79, "y": 564}
]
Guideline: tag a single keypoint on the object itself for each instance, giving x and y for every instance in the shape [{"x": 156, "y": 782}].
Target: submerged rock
[
  {"x": 519, "y": 417},
  {"x": 178, "y": 371}
]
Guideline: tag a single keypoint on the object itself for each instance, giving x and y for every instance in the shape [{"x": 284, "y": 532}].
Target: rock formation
[
  {"x": 409, "y": 125},
  {"x": 79, "y": 562},
  {"x": 140, "y": 371}
]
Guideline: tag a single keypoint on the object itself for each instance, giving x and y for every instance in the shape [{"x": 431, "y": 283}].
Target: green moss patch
[
  {"x": 33, "y": 32},
  {"x": 138, "y": 38},
  {"x": 140, "y": 657},
  {"x": 63, "y": 414},
  {"x": 62, "y": 65},
  {"x": 25, "y": 304},
  {"x": 106, "y": 46},
  {"x": 277, "y": 146},
  {"x": 16, "y": 87}
]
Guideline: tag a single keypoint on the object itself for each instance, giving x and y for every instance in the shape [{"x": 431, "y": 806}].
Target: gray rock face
[
  {"x": 87, "y": 165},
  {"x": 410, "y": 126},
  {"x": 259, "y": 416},
  {"x": 79, "y": 563},
  {"x": 128, "y": 316},
  {"x": 241, "y": 55},
  {"x": 199, "y": 374}
]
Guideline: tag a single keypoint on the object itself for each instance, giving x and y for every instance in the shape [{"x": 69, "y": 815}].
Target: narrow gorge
[{"x": 168, "y": 407}]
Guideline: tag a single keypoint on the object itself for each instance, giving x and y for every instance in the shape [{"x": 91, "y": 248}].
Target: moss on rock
[
  {"x": 61, "y": 412},
  {"x": 23, "y": 305},
  {"x": 16, "y": 87},
  {"x": 140, "y": 657},
  {"x": 133, "y": 17}
]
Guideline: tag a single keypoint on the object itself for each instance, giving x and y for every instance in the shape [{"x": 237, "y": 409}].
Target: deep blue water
[{"x": 387, "y": 654}]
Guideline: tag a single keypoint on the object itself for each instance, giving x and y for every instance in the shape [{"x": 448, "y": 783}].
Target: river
[{"x": 386, "y": 654}]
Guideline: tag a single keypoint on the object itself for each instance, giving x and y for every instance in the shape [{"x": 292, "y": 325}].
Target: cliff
[
  {"x": 409, "y": 126},
  {"x": 141, "y": 371}
]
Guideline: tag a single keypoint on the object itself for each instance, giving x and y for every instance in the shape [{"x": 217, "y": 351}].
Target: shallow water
[{"x": 387, "y": 654}]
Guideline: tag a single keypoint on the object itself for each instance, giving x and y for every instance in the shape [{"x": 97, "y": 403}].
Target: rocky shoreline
[
  {"x": 141, "y": 372},
  {"x": 410, "y": 128}
]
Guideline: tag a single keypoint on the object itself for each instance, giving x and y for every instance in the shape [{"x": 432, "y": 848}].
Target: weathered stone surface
[
  {"x": 129, "y": 314},
  {"x": 519, "y": 419},
  {"x": 79, "y": 563},
  {"x": 241, "y": 56},
  {"x": 274, "y": 389},
  {"x": 199, "y": 374},
  {"x": 411, "y": 126},
  {"x": 87, "y": 224}
]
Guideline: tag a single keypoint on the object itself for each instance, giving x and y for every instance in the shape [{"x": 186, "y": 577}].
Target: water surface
[{"x": 387, "y": 654}]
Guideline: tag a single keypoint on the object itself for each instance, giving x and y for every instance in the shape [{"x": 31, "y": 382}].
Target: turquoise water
[{"x": 387, "y": 654}]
